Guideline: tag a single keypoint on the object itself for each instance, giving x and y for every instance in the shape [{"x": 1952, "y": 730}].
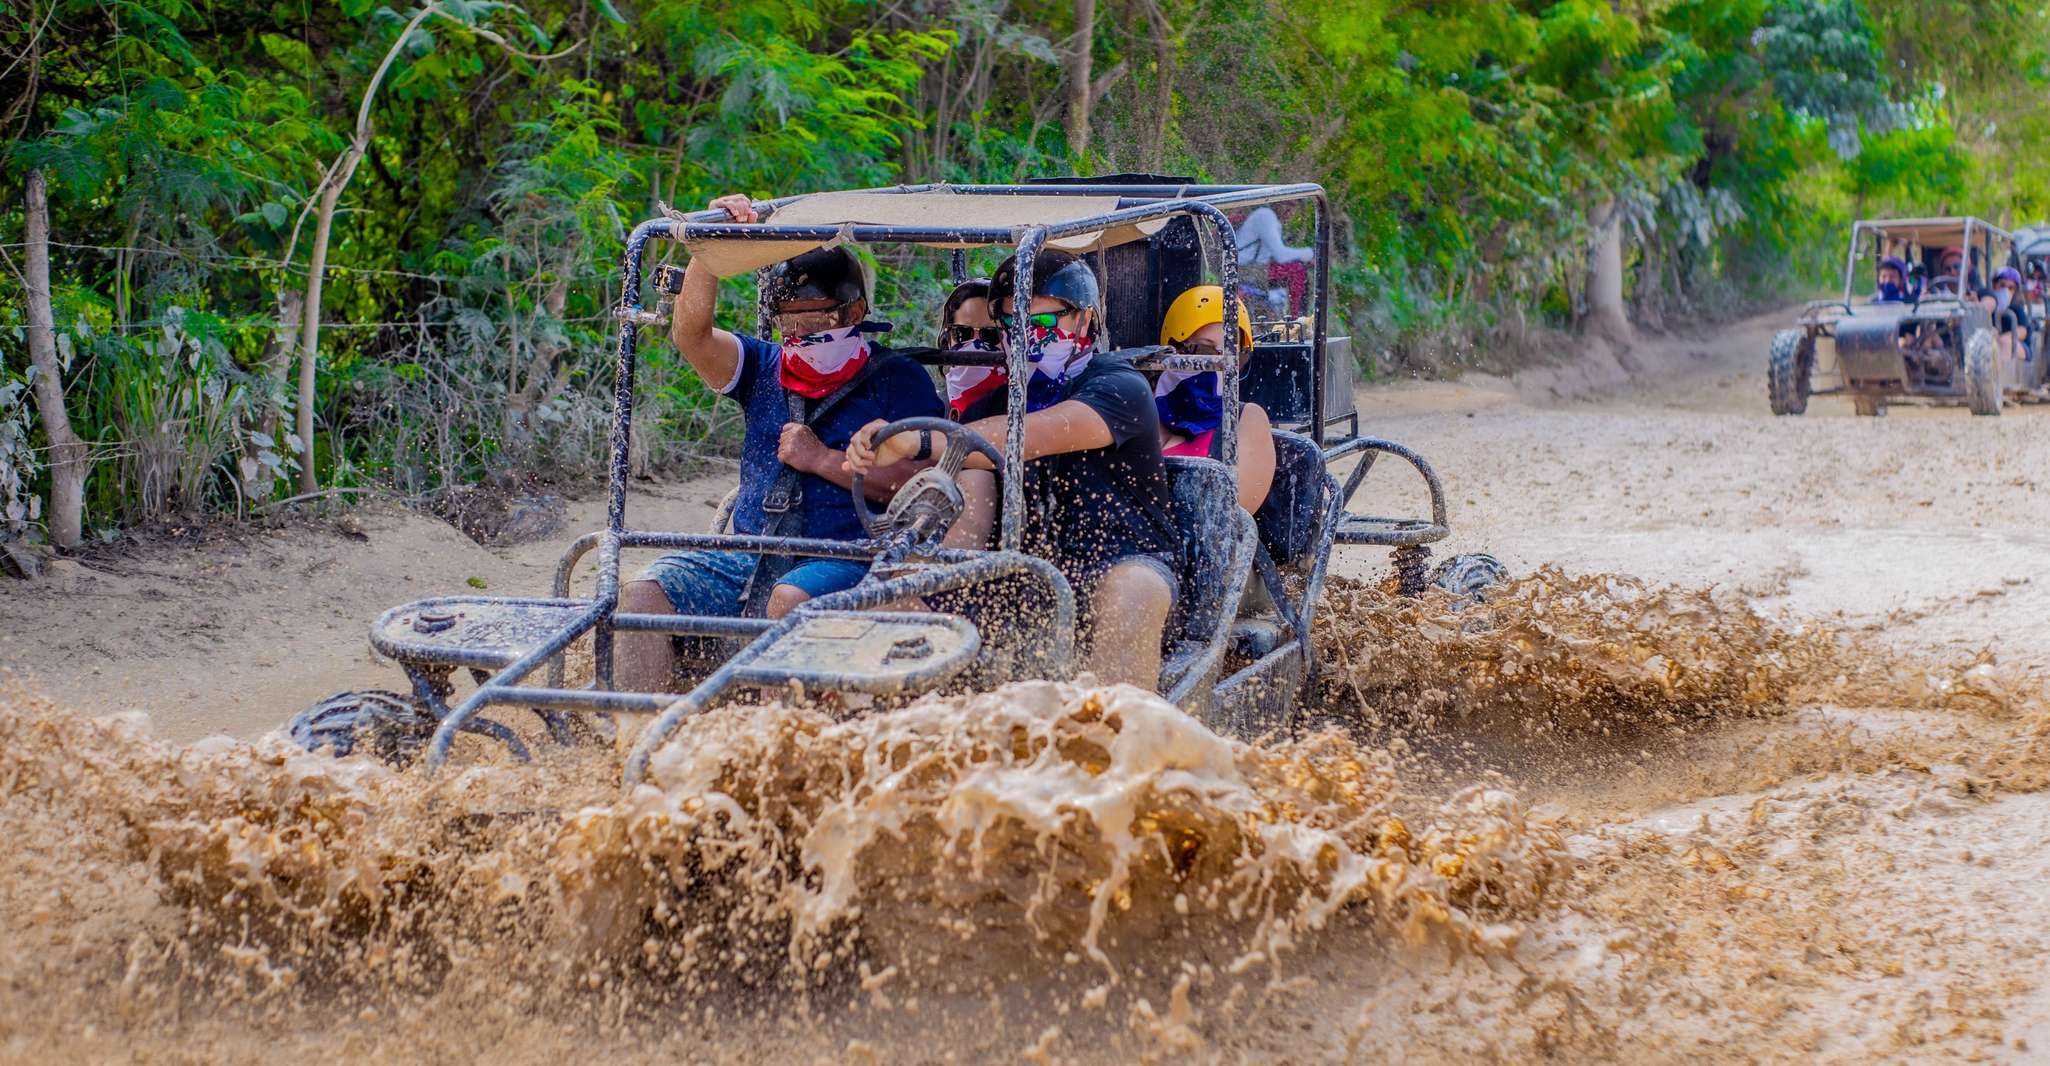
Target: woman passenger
[
  {"x": 1191, "y": 403},
  {"x": 966, "y": 325},
  {"x": 973, "y": 392}
]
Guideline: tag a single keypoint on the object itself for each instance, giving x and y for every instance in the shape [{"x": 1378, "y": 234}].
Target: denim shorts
[{"x": 714, "y": 584}]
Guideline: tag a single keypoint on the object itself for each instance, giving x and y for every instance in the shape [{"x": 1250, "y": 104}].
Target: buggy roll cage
[
  {"x": 552, "y": 624},
  {"x": 1889, "y": 239}
]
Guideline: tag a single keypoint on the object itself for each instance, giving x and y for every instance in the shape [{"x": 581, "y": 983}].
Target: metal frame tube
[
  {"x": 860, "y": 597},
  {"x": 1012, "y": 537}
]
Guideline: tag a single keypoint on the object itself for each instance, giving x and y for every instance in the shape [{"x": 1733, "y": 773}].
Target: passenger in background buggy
[
  {"x": 2010, "y": 315},
  {"x": 1893, "y": 282}
]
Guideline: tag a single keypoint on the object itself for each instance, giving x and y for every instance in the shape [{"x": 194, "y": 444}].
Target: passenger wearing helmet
[
  {"x": 2010, "y": 314},
  {"x": 1191, "y": 402},
  {"x": 801, "y": 400},
  {"x": 1893, "y": 282},
  {"x": 1096, "y": 494}
]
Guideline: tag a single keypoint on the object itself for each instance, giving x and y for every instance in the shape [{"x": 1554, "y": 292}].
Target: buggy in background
[{"x": 1927, "y": 336}]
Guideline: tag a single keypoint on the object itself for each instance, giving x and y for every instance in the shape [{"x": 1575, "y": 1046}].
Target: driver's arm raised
[{"x": 712, "y": 352}]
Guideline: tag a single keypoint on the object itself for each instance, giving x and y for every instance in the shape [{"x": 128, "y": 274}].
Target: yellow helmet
[{"x": 1199, "y": 307}]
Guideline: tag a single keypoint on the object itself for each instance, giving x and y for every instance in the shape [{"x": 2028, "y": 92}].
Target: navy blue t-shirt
[{"x": 899, "y": 389}]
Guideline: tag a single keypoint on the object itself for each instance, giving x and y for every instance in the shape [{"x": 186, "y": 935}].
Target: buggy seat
[{"x": 1213, "y": 563}]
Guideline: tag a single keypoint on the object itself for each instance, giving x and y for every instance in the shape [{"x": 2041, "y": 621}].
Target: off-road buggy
[
  {"x": 1936, "y": 345},
  {"x": 1149, "y": 239}
]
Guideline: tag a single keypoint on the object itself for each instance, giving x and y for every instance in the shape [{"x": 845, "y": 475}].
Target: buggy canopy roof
[
  {"x": 939, "y": 217},
  {"x": 2033, "y": 240},
  {"x": 1081, "y": 214},
  {"x": 1931, "y": 232}
]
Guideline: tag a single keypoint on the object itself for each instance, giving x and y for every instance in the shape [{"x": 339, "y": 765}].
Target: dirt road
[{"x": 1857, "y": 877}]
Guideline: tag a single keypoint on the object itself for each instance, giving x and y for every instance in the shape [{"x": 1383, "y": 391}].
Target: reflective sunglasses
[
  {"x": 1046, "y": 319},
  {"x": 1192, "y": 346}
]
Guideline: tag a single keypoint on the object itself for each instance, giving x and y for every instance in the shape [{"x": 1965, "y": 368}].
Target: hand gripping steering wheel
[{"x": 930, "y": 501}]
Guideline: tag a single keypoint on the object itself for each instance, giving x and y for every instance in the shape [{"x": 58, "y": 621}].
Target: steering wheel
[
  {"x": 1944, "y": 283},
  {"x": 930, "y": 501}
]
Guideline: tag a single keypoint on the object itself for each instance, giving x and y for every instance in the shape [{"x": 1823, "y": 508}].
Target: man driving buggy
[
  {"x": 1097, "y": 502},
  {"x": 801, "y": 400}
]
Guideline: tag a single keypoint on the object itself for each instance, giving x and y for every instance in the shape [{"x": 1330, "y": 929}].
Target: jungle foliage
[{"x": 473, "y": 257}]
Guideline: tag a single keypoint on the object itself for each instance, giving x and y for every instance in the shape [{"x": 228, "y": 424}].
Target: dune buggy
[
  {"x": 1937, "y": 345},
  {"x": 1149, "y": 239}
]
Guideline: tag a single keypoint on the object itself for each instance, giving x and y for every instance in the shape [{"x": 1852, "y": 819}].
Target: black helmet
[
  {"x": 820, "y": 274},
  {"x": 1061, "y": 275}
]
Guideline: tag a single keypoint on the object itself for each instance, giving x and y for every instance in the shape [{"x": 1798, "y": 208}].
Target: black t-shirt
[{"x": 1086, "y": 510}]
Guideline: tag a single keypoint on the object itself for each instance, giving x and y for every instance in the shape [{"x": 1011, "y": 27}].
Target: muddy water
[{"x": 1471, "y": 848}]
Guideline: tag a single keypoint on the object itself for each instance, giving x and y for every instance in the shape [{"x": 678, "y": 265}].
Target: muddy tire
[
  {"x": 1469, "y": 576},
  {"x": 391, "y": 727},
  {"x": 1982, "y": 373},
  {"x": 1788, "y": 371},
  {"x": 1868, "y": 407}
]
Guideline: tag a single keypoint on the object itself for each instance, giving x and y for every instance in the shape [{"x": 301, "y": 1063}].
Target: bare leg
[
  {"x": 1130, "y": 608},
  {"x": 643, "y": 662},
  {"x": 979, "y": 511},
  {"x": 784, "y": 599}
]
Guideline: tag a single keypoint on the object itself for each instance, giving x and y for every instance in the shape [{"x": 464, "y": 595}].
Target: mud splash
[
  {"x": 1557, "y": 653},
  {"x": 1051, "y": 871},
  {"x": 781, "y": 862}
]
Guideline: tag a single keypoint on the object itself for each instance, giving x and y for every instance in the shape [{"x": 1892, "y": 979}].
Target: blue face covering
[
  {"x": 1190, "y": 406},
  {"x": 1891, "y": 293}
]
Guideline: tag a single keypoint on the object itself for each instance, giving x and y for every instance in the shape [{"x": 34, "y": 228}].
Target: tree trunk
[
  {"x": 332, "y": 184},
  {"x": 67, "y": 453},
  {"x": 1079, "y": 85},
  {"x": 258, "y": 482},
  {"x": 1606, "y": 315},
  {"x": 309, "y": 338}
]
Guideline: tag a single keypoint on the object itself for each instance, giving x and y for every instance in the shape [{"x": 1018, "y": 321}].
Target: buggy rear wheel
[
  {"x": 1982, "y": 373},
  {"x": 391, "y": 727},
  {"x": 1789, "y": 371},
  {"x": 1469, "y": 576}
]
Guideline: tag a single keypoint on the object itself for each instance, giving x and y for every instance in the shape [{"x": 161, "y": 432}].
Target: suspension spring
[{"x": 1412, "y": 568}]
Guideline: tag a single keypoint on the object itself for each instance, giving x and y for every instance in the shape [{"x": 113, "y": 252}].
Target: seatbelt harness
[{"x": 783, "y": 505}]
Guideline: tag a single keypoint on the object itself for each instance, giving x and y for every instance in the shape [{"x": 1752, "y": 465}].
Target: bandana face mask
[
  {"x": 1888, "y": 291},
  {"x": 2002, "y": 297},
  {"x": 968, "y": 384},
  {"x": 1189, "y": 402},
  {"x": 1058, "y": 358},
  {"x": 817, "y": 363}
]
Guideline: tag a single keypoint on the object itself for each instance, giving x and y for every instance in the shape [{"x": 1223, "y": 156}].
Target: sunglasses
[
  {"x": 1196, "y": 347},
  {"x": 955, "y": 336},
  {"x": 1042, "y": 319}
]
